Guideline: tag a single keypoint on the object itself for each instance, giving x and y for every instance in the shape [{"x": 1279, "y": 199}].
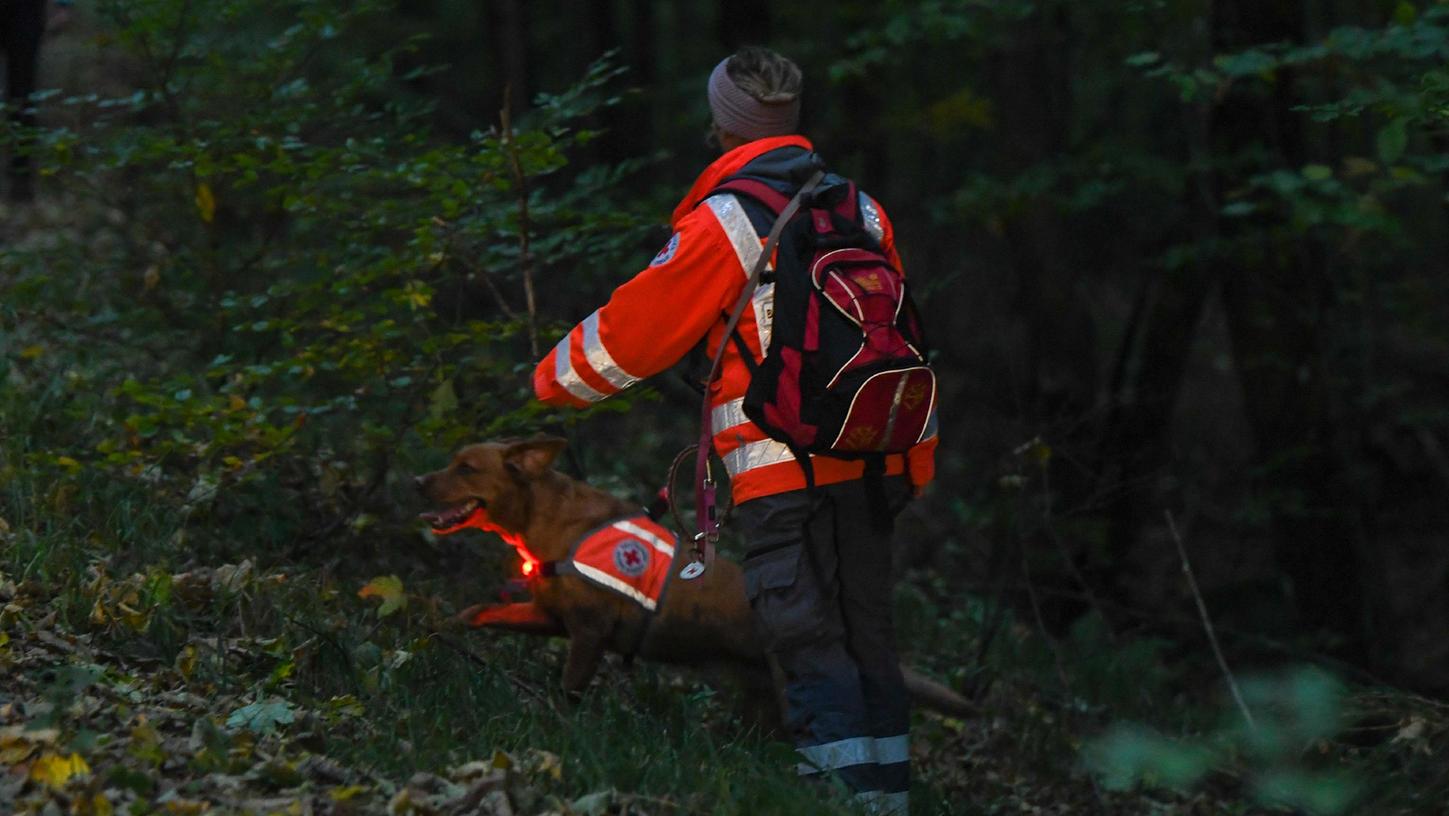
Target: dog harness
[{"x": 631, "y": 556}]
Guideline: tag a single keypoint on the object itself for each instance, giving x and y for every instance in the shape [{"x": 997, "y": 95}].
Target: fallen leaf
[
  {"x": 55, "y": 770},
  {"x": 39, "y": 736},
  {"x": 17, "y": 744},
  {"x": 232, "y": 577},
  {"x": 262, "y": 717},
  {"x": 390, "y": 589},
  {"x": 205, "y": 202},
  {"x": 469, "y": 771},
  {"x": 342, "y": 794},
  {"x": 188, "y": 807},
  {"x": 1413, "y": 729},
  {"x": 401, "y": 803},
  {"x": 186, "y": 661},
  {"x": 593, "y": 804},
  {"x": 545, "y": 763}
]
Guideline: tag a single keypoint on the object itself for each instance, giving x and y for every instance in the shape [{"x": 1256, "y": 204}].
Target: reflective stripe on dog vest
[{"x": 630, "y": 556}]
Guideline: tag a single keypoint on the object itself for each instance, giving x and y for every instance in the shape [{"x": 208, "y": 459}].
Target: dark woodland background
[
  {"x": 1191, "y": 248},
  {"x": 1182, "y": 262}
]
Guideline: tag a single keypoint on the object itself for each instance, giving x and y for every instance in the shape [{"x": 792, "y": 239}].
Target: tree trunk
[
  {"x": 1277, "y": 305},
  {"x": 743, "y": 22},
  {"x": 511, "y": 40}
]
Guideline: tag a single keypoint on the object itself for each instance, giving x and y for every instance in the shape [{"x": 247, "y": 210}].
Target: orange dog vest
[{"x": 630, "y": 556}]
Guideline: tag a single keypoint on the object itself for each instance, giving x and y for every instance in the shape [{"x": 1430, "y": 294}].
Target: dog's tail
[{"x": 927, "y": 693}]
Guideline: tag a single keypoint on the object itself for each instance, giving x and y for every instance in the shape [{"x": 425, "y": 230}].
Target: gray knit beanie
[{"x": 737, "y": 111}]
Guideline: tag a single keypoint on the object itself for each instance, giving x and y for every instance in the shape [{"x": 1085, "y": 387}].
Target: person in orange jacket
[{"x": 818, "y": 571}]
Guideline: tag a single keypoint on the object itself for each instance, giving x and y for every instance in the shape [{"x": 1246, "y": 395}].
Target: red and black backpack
[{"x": 846, "y": 373}]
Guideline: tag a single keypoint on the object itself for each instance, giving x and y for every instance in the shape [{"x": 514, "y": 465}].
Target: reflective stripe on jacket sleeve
[{"x": 649, "y": 323}]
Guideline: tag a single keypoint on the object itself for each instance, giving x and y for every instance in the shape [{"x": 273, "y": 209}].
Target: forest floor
[
  {"x": 100, "y": 714},
  {"x": 232, "y": 688}
]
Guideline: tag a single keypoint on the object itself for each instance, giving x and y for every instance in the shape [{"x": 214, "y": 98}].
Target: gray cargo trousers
[{"x": 818, "y": 576}]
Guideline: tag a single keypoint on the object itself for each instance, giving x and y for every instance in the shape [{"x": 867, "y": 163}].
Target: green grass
[
  {"x": 406, "y": 694},
  {"x": 648, "y": 732}
]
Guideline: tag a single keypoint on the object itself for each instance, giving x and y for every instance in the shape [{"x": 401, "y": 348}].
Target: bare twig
[
  {"x": 1041, "y": 626},
  {"x": 1049, "y": 525},
  {"x": 495, "y": 291},
  {"x": 323, "y": 637},
  {"x": 1207, "y": 622},
  {"x": 520, "y": 187},
  {"x": 1155, "y": 619},
  {"x": 999, "y": 570},
  {"x": 450, "y": 235},
  {"x": 467, "y": 654},
  {"x": 1430, "y": 443}
]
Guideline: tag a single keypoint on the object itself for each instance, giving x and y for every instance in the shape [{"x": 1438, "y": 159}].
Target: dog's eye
[{"x": 464, "y": 467}]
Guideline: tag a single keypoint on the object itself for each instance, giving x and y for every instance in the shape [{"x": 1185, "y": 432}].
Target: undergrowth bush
[
  {"x": 273, "y": 294},
  {"x": 278, "y": 292}
]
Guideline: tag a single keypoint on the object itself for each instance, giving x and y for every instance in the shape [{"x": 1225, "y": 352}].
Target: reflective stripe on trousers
[
  {"x": 832, "y": 756},
  {"x": 885, "y": 804}
]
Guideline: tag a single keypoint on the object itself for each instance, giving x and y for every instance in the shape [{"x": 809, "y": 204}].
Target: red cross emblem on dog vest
[{"x": 630, "y": 556}]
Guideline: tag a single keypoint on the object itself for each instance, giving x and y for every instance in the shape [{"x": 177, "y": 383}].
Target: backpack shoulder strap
[
  {"x": 849, "y": 208},
  {"x": 776, "y": 201},
  {"x": 758, "y": 190},
  {"x": 706, "y": 518}
]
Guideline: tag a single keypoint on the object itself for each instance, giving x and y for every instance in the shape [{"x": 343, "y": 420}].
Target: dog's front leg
[
  {"x": 585, "y": 652},
  {"x": 514, "y": 617}
]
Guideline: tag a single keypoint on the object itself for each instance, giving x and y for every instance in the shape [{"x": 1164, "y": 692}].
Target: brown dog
[{"x": 510, "y": 488}]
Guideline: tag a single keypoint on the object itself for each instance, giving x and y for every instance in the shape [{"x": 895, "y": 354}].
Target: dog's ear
[{"x": 531, "y": 458}]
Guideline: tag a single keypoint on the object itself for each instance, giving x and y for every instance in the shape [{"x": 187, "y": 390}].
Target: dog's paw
[{"x": 468, "y": 618}]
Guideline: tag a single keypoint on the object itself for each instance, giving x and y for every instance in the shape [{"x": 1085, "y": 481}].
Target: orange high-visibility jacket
[{"x": 686, "y": 294}]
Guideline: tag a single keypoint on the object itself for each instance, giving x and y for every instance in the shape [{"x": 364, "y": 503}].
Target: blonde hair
[{"x": 765, "y": 75}]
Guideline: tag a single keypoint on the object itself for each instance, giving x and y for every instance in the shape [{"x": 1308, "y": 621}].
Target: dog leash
[
  {"x": 706, "y": 512},
  {"x": 669, "y": 494}
]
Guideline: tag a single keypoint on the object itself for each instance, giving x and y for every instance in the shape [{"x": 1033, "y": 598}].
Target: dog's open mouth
[{"x": 452, "y": 517}]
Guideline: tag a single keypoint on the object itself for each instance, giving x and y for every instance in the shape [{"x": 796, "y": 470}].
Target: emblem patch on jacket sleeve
[{"x": 667, "y": 253}]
